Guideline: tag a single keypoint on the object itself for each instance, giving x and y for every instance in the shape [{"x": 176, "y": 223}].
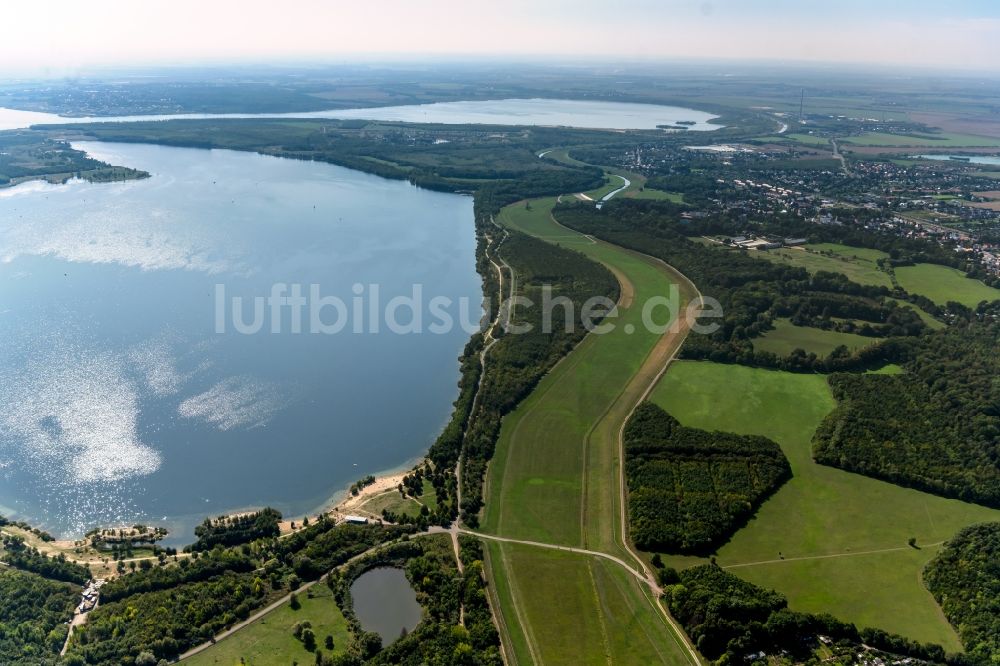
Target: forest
[
  {"x": 942, "y": 416},
  {"x": 690, "y": 489},
  {"x": 33, "y": 617},
  {"x": 236, "y": 529},
  {"x": 965, "y": 580},
  {"x": 452, "y": 158}
]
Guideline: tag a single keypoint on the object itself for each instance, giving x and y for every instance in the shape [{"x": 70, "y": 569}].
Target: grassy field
[
  {"x": 554, "y": 476},
  {"x": 931, "y": 322},
  {"x": 808, "y": 139},
  {"x": 942, "y": 140},
  {"x": 269, "y": 640},
  {"x": 393, "y": 501},
  {"x": 626, "y": 631},
  {"x": 858, "y": 264},
  {"x": 812, "y": 539},
  {"x": 656, "y": 195},
  {"x": 942, "y": 284},
  {"x": 787, "y": 337}
]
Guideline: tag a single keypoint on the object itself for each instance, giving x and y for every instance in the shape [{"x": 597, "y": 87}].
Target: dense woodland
[
  {"x": 240, "y": 528},
  {"x": 33, "y": 617},
  {"x": 453, "y": 158},
  {"x": 690, "y": 489},
  {"x": 942, "y": 417},
  {"x": 965, "y": 580},
  {"x": 729, "y": 619},
  {"x": 753, "y": 292}
]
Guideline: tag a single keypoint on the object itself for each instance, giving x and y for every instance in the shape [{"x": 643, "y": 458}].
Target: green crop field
[
  {"x": 269, "y": 640},
  {"x": 858, "y": 264},
  {"x": 554, "y": 476},
  {"x": 942, "y": 140},
  {"x": 786, "y": 337},
  {"x": 942, "y": 284},
  {"x": 813, "y": 540}
]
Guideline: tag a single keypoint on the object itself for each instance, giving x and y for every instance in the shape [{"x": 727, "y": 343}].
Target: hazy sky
[{"x": 60, "y": 37}]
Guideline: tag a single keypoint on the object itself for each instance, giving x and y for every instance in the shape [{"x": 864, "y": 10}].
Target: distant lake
[
  {"x": 548, "y": 112},
  {"x": 385, "y": 603},
  {"x": 119, "y": 399},
  {"x": 971, "y": 159}
]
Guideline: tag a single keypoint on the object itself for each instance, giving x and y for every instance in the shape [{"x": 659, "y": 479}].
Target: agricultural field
[
  {"x": 858, "y": 264},
  {"x": 786, "y": 337},
  {"x": 554, "y": 476},
  {"x": 831, "y": 541},
  {"x": 269, "y": 640},
  {"x": 943, "y": 283},
  {"x": 942, "y": 140}
]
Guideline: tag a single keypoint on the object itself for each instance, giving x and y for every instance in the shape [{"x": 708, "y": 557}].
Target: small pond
[{"x": 385, "y": 603}]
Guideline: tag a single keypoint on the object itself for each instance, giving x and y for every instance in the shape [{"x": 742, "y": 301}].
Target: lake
[
  {"x": 569, "y": 113},
  {"x": 131, "y": 392},
  {"x": 971, "y": 159},
  {"x": 385, "y": 603}
]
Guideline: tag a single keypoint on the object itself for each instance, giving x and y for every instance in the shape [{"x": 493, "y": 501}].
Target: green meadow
[
  {"x": 943, "y": 283},
  {"x": 858, "y": 264},
  {"x": 578, "y": 609},
  {"x": 269, "y": 640},
  {"x": 786, "y": 337},
  {"x": 656, "y": 195},
  {"x": 814, "y": 539}
]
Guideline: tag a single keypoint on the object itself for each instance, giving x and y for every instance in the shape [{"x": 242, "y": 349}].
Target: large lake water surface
[
  {"x": 124, "y": 396},
  {"x": 569, "y": 113}
]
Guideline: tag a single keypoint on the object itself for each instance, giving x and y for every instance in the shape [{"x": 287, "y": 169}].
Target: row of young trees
[{"x": 690, "y": 489}]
